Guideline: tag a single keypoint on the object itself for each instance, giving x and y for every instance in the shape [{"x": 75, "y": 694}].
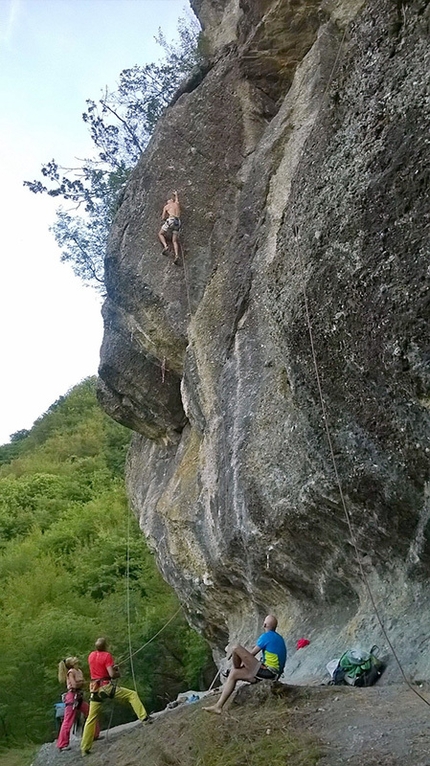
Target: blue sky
[{"x": 54, "y": 54}]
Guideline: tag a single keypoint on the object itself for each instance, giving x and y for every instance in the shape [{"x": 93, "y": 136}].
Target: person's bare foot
[{"x": 213, "y": 709}]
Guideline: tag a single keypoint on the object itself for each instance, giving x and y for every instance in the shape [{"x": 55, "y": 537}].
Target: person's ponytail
[{"x": 62, "y": 672}]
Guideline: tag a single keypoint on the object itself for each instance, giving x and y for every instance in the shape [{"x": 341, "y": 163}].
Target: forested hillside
[{"x": 73, "y": 565}]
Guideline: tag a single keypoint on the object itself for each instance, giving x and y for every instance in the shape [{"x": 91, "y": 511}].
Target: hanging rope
[
  {"x": 329, "y": 439},
  {"x": 127, "y": 657},
  {"x": 127, "y": 578},
  {"x": 186, "y": 277},
  {"x": 109, "y": 726},
  {"x": 326, "y": 422},
  {"x": 347, "y": 514},
  {"x": 128, "y": 600},
  {"x": 213, "y": 682},
  {"x": 336, "y": 473},
  {"x": 130, "y": 655}
]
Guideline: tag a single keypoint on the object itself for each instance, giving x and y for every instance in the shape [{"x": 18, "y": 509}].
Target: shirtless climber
[{"x": 171, "y": 216}]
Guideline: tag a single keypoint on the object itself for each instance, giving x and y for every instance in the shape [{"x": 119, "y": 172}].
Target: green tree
[
  {"x": 120, "y": 125},
  {"x": 74, "y": 565},
  {"x": 11, "y": 450}
]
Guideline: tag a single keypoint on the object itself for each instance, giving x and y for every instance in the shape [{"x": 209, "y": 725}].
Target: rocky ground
[
  {"x": 301, "y": 726},
  {"x": 367, "y": 727}
]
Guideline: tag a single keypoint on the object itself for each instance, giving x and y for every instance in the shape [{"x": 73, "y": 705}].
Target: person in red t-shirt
[{"x": 104, "y": 673}]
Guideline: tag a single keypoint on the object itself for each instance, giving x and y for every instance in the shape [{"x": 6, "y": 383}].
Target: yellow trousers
[{"x": 121, "y": 695}]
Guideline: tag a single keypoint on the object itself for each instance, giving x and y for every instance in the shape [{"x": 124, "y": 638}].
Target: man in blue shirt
[{"x": 246, "y": 667}]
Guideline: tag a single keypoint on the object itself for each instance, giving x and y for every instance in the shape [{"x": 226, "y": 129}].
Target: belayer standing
[
  {"x": 70, "y": 673},
  {"x": 104, "y": 685},
  {"x": 171, "y": 216}
]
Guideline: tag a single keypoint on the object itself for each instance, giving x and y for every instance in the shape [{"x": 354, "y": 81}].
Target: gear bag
[{"x": 357, "y": 668}]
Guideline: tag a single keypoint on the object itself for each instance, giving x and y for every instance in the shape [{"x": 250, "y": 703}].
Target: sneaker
[
  {"x": 147, "y": 720},
  {"x": 165, "y": 251},
  {"x": 62, "y": 749}
]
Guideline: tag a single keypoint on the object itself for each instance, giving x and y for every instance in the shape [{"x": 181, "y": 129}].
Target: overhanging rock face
[{"x": 302, "y": 162}]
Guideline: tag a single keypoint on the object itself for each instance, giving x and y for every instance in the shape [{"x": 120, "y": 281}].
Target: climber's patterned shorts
[{"x": 171, "y": 225}]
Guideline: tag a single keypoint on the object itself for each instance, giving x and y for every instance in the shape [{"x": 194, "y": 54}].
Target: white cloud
[{"x": 7, "y": 26}]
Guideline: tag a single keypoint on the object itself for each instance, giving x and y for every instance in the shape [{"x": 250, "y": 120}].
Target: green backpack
[{"x": 357, "y": 668}]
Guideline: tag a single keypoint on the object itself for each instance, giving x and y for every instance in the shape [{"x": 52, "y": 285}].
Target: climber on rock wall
[{"x": 171, "y": 216}]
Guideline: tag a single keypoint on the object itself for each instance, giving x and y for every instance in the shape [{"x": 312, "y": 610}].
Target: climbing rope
[
  {"x": 127, "y": 657},
  {"x": 327, "y": 428},
  {"x": 336, "y": 472},
  {"x": 128, "y": 600},
  {"x": 186, "y": 277},
  {"x": 127, "y": 579},
  {"x": 109, "y": 726},
  {"x": 130, "y": 655},
  {"x": 215, "y": 678}
]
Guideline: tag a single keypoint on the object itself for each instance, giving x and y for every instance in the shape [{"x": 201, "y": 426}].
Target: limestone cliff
[{"x": 301, "y": 155}]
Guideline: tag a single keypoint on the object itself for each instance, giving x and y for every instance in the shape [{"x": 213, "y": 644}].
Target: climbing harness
[
  {"x": 78, "y": 698},
  {"x": 101, "y": 695}
]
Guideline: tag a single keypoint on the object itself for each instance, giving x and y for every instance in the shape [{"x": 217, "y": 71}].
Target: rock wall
[{"x": 278, "y": 382}]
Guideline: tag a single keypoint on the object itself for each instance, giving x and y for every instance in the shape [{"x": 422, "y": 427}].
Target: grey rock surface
[{"x": 278, "y": 382}]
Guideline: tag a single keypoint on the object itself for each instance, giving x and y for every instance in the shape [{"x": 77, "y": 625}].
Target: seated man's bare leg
[
  {"x": 242, "y": 658},
  {"x": 246, "y": 673}
]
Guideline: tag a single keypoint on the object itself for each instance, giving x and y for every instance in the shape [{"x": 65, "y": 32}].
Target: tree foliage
[
  {"x": 74, "y": 565},
  {"x": 120, "y": 125}
]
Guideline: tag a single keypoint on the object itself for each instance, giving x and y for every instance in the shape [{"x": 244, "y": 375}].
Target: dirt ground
[
  {"x": 274, "y": 725},
  {"x": 380, "y": 726}
]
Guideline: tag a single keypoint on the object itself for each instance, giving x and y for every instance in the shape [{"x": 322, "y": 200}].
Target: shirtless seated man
[
  {"x": 246, "y": 667},
  {"x": 171, "y": 216}
]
